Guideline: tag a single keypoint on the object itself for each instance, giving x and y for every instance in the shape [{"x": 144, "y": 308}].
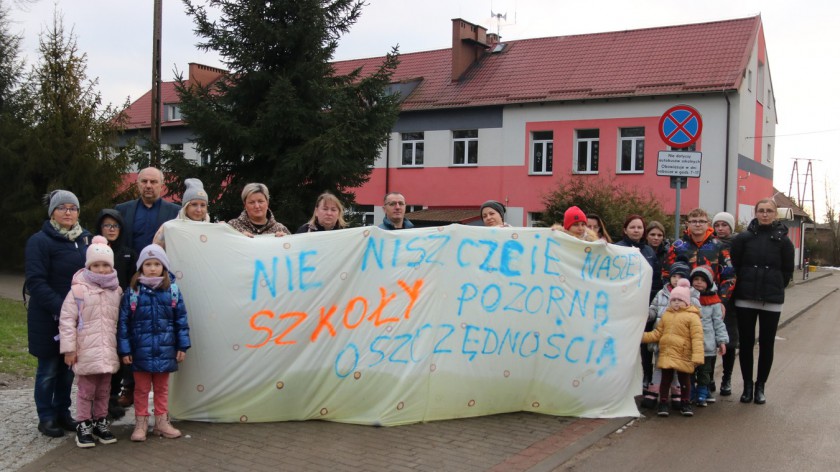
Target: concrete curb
[
  {"x": 801, "y": 312},
  {"x": 559, "y": 458}
]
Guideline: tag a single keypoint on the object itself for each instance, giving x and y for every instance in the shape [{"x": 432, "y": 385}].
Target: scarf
[
  {"x": 106, "y": 281},
  {"x": 71, "y": 233},
  {"x": 152, "y": 282}
]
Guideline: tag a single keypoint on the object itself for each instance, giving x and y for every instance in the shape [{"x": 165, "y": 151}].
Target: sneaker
[
  {"x": 662, "y": 409},
  {"x": 84, "y": 434},
  {"x": 102, "y": 431},
  {"x": 702, "y": 395},
  {"x": 711, "y": 399},
  {"x": 686, "y": 410}
]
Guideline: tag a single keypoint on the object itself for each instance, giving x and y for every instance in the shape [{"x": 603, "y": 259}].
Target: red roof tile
[
  {"x": 694, "y": 58},
  {"x": 654, "y": 61}
]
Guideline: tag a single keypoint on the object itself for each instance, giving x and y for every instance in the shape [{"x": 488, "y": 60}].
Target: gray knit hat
[
  {"x": 194, "y": 191},
  {"x": 61, "y": 197},
  {"x": 152, "y": 251},
  {"x": 500, "y": 209}
]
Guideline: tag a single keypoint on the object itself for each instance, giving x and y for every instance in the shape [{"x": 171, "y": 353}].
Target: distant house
[
  {"x": 507, "y": 120},
  {"x": 175, "y": 134},
  {"x": 794, "y": 217}
]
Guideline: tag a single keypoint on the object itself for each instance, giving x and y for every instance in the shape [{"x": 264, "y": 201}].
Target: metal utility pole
[{"x": 155, "y": 127}]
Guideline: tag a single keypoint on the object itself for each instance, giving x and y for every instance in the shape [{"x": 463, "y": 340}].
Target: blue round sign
[{"x": 680, "y": 126}]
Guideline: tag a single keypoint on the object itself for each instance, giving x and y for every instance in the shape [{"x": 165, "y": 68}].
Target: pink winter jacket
[{"x": 93, "y": 336}]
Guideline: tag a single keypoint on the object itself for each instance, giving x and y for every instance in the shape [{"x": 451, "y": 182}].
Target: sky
[{"x": 801, "y": 38}]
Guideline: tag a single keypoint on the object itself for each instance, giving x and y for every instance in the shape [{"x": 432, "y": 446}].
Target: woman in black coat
[
  {"x": 763, "y": 260},
  {"x": 53, "y": 255}
]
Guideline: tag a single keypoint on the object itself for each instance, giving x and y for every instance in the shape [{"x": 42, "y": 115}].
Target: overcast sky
[{"x": 802, "y": 39}]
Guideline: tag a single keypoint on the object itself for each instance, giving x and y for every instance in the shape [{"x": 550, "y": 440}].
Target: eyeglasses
[
  {"x": 697, "y": 222},
  {"x": 68, "y": 209},
  {"x": 110, "y": 226},
  {"x": 765, "y": 210},
  {"x": 393, "y": 204}
]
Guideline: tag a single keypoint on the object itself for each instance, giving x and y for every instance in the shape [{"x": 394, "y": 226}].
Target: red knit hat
[{"x": 572, "y": 216}]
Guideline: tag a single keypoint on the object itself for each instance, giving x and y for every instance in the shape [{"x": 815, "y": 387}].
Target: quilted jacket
[
  {"x": 680, "y": 337},
  {"x": 92, "y": 332}
]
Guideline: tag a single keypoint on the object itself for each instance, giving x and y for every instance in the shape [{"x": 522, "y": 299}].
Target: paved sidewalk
[{"x": 515, "y": 441}]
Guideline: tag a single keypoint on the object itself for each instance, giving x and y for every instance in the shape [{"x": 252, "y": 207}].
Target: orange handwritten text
[{"x": 354, "y": 314}]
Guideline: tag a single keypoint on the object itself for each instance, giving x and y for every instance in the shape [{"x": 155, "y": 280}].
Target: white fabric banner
[{"x": 385, "y": 328}]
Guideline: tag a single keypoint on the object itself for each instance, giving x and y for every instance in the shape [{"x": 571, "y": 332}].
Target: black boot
[
  {"x": 760, "y": 399},
  {"x": 747, "y": 396},
  {"x": 114, "y": 409},
  {"x": 726, "y": 386}
]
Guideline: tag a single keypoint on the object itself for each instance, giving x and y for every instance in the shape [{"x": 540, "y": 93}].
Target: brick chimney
[
  {"x": 203, "y": 75},
  {"x": 468, "y": 42}
]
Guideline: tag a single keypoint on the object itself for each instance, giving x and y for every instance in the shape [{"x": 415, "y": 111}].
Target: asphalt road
[{"x": 796, "y": 430}]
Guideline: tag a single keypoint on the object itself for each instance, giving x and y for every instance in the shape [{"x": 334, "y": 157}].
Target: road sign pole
[{"x": 677, "y": 214}]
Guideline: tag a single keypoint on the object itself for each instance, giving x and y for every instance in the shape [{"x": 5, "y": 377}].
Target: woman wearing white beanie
[{"x": 193, "y": 208}]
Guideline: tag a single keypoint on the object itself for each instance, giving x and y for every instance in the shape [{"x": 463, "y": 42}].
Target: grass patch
[{"x": 14, "y": 355}]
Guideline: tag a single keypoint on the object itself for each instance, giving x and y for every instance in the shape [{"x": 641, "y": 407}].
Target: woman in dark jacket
[
  {"x": 763, "y": 260},
  {"x": 634, "y": 232},
  {"x": 52, "y": 256}
]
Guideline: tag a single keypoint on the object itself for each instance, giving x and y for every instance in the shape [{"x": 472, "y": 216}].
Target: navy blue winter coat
[
  {"x": 154, "y": 332},
  {"x": 651, "y": 258},
  {"x": 50, "y": 262}
]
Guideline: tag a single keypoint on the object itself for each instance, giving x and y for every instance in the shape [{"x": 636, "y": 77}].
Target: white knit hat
[
  {"x": 153, "y": 251},
  {"x": 726, "y": 218}
]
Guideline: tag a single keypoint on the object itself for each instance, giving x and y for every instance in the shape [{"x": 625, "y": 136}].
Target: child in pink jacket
[{"x": 88, "y": 337}]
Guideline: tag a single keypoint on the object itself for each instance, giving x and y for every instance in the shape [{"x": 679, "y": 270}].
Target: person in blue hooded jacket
[
  {"x": 52, "y": 256},
  {"x": 153, "y": 337}
]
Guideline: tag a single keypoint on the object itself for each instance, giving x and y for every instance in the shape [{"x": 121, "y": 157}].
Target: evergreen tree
[
  {"x": 69, "y": 141},
  {"x": 14, "y": 123},
  {"x": 281, "y": 116}
]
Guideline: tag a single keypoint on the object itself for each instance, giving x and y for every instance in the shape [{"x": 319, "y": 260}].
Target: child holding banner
[
  {"x": 153, "y": 338},
  {"x": 680, "y": 337}
]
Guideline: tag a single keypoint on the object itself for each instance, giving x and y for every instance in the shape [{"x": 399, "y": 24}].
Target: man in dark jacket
[
  {"x": 141, "y": 220},
  {"x": 143, "y": 217}
]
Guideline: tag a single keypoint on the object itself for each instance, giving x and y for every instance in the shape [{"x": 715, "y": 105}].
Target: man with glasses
[
  {"x": 394, "y": 207},
  {"x": 143, "y": 217},
  {"x": 700, "y": 247}
]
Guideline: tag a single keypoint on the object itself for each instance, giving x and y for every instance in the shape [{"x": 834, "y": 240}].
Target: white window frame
[
  {"x": 589, "y": 154},
  {"x": 544, "y": 146},
  {"x": 469, "y": 141},
  {"x": 172, "y": 112},
  {"x": 413, "y": 142},
  {"x": 634, "y": 157}
]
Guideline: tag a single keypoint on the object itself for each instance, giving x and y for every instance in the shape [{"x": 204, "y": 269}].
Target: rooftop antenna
[{"x": 498, "y": 17}]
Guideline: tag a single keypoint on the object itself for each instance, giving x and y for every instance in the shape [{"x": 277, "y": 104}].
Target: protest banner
[{"x": 385, "y": 328}]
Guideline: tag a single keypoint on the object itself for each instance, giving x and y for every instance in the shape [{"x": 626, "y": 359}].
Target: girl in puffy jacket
[
  {"x": 87, "y": 330},
  {"x": 153, "y": 338},
  {"x": 680, "y": 337}
]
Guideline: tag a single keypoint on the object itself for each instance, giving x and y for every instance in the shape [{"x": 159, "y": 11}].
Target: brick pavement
[{"x": 507, "y": 442}]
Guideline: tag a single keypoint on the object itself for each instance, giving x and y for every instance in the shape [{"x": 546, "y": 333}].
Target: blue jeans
[{"x": 53, "y": 382}]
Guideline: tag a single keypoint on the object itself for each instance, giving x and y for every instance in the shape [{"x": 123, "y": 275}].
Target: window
[
  {"x": 465, "y": 147},
  {"x": 542, "y": 152},
  {"x": 172, "y": 112},
  {"x": 632, "y": 149},
  {"x": 177, "y": 147},
  {"x": 690, "y": 148},
  {"x": 587, "y": 143},
  {"x": 412, "y": 149}
]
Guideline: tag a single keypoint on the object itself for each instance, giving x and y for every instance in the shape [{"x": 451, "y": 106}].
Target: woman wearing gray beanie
[
  {"x": 493, "y": 214},
  {"x": 52, "y": 256},
  {"x": 193, "y": 208}
]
